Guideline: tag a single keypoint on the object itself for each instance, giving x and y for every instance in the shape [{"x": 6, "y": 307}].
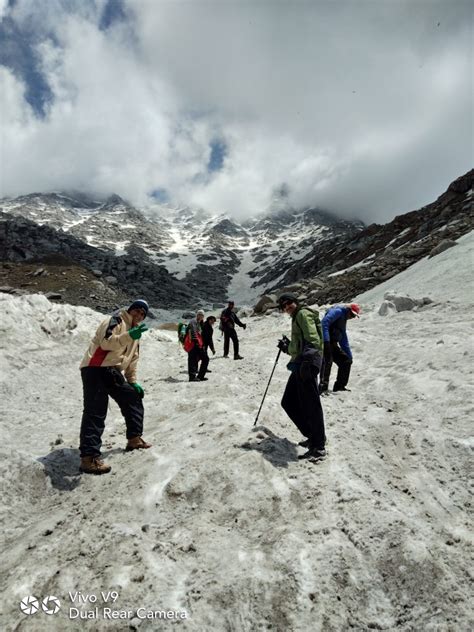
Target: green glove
[
  {"x": 138, "y": 388},
  {"x": 136, "y": 332}
]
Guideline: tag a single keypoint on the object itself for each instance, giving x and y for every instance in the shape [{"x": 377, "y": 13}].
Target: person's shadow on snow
[
  {"x": 62, "y": 467},
  {"x": 277, "y": 450}
]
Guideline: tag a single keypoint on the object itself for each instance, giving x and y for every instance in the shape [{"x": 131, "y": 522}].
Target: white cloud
[
  {"x": 344, "y": 102},
  {"x": 3, "y": 8}
]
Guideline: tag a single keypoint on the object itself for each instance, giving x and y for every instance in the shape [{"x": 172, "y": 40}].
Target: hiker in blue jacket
[{"x": 336, "y": 345}]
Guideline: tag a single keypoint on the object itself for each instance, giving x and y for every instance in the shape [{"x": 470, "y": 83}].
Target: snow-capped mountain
[
  {"x": 214, "y": 256},
  {"x": 180, "y": 257}
]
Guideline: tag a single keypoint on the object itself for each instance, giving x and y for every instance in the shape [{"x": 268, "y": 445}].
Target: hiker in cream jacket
[{"x": 109, "y": 367}]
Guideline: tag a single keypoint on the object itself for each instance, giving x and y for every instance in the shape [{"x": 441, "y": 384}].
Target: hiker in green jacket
[{"x": 301, "y": 399}]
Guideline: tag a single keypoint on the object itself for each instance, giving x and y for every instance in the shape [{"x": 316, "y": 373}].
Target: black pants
[
  {"x": 302, "y": 404},
  {"x": 344, "y": 364},
  {"x": 196, "y": 355},
  {"x": 98, "y": 383},
  {"x": 228, "y": 335}
]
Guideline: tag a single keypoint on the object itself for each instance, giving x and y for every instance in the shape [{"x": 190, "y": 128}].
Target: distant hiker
[
  {"x": 336, "y": 345},
  {"x": 207, "y": 333},
  {"x": 109, "y": 367},
  {"x": 301, "y": 399},
  {"x": 197, "y": 354},
  {"x": 229, "y": 320}
]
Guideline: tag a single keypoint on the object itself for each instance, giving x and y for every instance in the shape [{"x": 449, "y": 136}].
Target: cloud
[{"x": 361, "y": 108}]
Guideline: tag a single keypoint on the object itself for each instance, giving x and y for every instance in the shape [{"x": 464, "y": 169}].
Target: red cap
[{"x": 355, "y": 309}]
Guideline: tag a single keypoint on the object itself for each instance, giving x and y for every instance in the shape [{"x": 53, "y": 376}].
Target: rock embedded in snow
[
  {"x": 386, "y": 308},
  {"x": 403, "y": 303},
  {"x": 441, "y": 247}
]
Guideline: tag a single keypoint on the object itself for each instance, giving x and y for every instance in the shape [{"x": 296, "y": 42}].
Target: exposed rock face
[{"x": 21, "y": 241}]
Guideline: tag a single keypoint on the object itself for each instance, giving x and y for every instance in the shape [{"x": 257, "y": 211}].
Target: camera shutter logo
[
  {"x": 29, "y": 605},
  {"x": 51, "y": 605}
]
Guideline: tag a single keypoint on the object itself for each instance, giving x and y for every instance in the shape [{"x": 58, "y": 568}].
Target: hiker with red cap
[
  {"x": 109, "y": 367},
  {"x": 336, "y": 345}
]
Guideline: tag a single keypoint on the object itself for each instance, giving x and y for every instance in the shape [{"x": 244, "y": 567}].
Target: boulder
[
  {"x": 441, "y": 247},
  {"x": 403, "y": 303},
  {"x": 386, "y": 308},
  {"x": 294, "y": 287},
  {"x": 316, "y": 283},
  {"x": 265, "y": 302}
]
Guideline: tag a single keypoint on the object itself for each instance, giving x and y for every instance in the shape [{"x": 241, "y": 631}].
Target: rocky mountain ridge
[{"x": 338, "y": 269}]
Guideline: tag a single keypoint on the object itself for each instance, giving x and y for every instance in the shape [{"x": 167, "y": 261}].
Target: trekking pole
[{"x": 265, "y": 394}]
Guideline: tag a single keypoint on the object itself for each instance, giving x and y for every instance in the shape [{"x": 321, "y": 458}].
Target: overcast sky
[{"x": 360, "y": 107}]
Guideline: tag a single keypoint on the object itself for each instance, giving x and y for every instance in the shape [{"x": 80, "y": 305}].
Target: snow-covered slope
[
  {"x": 447, "y": 277},
  {"x": 220, "y": 519}
]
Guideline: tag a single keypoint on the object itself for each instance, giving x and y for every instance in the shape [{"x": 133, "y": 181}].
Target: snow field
[{"x": 221, "y": 518}]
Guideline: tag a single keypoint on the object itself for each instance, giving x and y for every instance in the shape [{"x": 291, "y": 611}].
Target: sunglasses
[{"x": 285, "y": 304}]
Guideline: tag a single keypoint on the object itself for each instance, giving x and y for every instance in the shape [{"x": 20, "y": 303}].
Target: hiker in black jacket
[
  {"x": 229, "y": 320},
  {"x": 207, "y": 332}
]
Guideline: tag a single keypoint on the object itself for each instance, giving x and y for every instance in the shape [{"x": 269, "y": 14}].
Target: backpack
[
  {"x": 184, "y": 337},
  {"x": 182, "y": 329},
  {"x": 317, "y": 322}
]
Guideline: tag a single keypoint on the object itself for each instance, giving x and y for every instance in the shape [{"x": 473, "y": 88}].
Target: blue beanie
[{"x": 140, "y": 304}]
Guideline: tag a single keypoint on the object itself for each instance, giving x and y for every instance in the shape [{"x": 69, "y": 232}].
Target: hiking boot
[
  {"x": 238, "y": 357},
  {"x": 208, "y": 371},
  {"x": 93, "y": 465},
  {"x": 226, "y": 356},
  {"x": 192, "y": 378},
  {"x": 137, "y": 443},
  {"x": 304, "y": 444},
  {"x": 323, "y": 388},
  {"x": 314, "y": 454},
  {"x": 336, "y": 389},
  {"x": 202, "y": 379}
]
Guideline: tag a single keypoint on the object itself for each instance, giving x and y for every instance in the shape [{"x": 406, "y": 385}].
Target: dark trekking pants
[
  {"x": 196, "y": 355},
  {"x": 98, "y": 383},
  {"x": 302, "y": 404},
  {"x": 231, "y": 334},
  {"x": 344, "y": 364}
]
